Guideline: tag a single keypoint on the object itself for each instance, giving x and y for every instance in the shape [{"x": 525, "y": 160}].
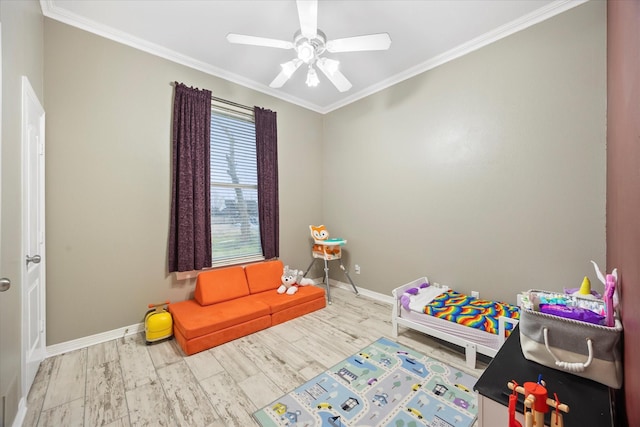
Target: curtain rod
[
  {"x": 224, "y": 101},
  {"x": 234, "y": 104}
]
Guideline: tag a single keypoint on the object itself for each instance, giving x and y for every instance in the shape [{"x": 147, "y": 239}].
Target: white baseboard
[
  {"x": 65, "y": 347},
  {"x": 22, "y": 413},
  {"x": 388, "y": 299},
  {"x": 77, "y": 344}
]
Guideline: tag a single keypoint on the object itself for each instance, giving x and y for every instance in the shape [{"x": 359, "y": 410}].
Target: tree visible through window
[{"x": 235, "y": 229}]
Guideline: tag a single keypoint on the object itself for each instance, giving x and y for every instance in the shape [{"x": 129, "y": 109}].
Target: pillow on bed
[
  {"x": 414, "y": 291},
  {"x": 423, "y": 296},
  {"x": 404, "y": 299}
]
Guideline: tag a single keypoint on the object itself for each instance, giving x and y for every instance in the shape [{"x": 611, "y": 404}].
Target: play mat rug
[{"x": 385, "y": 384}]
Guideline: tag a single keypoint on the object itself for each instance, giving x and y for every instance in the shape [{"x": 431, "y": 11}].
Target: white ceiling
[{"x": 424, "y": 34}]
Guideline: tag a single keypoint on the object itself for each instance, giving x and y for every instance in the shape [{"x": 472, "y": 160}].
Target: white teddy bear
[{"x": 291, "y": 279}]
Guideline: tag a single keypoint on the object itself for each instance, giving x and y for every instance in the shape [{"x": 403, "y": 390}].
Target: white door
[{"x": 33, "y": 292}]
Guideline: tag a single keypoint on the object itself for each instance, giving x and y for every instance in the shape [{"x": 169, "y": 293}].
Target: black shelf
[{"x": 589, "y": 402}]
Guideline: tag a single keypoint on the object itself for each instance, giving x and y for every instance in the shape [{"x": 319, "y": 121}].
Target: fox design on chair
[
  {"x": 327, "y": 250},
  {"x": 320, "y": 232}
]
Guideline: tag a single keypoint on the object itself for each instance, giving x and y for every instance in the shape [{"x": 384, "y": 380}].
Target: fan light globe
[
  {"x": 306, "y": 52},
  {"x": 312, "y": 77},
  {"x": 289, "y": 68},
  {"x": 330, "y": 65}
]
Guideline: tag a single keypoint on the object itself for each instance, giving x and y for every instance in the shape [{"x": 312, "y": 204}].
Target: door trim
[{"x": 29, "y": 93}]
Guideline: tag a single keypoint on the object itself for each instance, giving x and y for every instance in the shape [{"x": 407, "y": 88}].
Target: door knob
[
  {"x": 5, "y": 284},
  {"x": 34, "y": 259}
]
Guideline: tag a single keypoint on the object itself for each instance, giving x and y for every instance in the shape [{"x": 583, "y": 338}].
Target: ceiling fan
[{"x": 309, "y": 43}]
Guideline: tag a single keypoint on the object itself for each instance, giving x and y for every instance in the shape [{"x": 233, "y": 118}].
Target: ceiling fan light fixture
[
  {"x": 306, "y": 52},
  {"x": 329, "y": 65},
  {"x": 288, "y": 68},
  {"x": 312, "y": 77},
  {"x": 309, "y": 44}
]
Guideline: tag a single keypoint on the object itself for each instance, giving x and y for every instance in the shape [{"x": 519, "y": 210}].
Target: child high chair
[{"x": 327, "y": 250}]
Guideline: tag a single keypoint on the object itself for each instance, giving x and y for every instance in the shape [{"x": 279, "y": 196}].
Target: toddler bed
[{"x": 479, "y": 326}]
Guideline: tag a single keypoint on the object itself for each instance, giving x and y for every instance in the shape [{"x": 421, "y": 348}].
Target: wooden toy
[{"x": 536, "y": 403}]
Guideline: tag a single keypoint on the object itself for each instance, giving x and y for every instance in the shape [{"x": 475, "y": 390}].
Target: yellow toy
[
  {"x": 158, "y": 323},
  {"x": 585, "y": 289}
]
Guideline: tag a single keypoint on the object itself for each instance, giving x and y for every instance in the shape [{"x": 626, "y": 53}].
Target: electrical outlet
[
  {"x": 475, "y": 294},
  {"x": 356, "y": 268}
]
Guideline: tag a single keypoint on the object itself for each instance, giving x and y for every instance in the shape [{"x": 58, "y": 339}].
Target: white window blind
[{"x": 235, "y": 230}]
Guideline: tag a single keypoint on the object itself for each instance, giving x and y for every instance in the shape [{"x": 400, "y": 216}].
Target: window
[{"x": 235, "y": 229}]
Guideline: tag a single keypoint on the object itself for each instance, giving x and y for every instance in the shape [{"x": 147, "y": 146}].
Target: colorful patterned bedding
[
  {"x": 468, "y": 322},
  {"x": 473, "y": 312}
]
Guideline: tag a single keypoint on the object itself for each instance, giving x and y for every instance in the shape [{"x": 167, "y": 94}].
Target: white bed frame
[{"x": 472, "y": 340}]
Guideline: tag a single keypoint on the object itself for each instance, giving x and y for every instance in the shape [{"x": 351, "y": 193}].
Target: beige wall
[
  {"x": 108, "y": 179},
  {"x": 22, "y": 55},
  {"x": 486, "y": 173}
]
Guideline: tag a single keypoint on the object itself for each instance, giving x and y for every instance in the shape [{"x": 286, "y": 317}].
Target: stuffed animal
[
  {"x": 291, "y": 279},
  {"x": 320, "y": 233}
]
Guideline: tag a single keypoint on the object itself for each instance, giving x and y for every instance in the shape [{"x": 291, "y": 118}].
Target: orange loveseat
[{"x": 232, "y": 302}]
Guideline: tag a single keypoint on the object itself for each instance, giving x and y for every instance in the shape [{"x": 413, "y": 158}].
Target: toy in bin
[{"x": 158, "y": 323}]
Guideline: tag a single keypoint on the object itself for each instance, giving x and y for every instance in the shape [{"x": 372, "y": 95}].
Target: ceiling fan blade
[
  {"x": 308, "y": 14},
  {"x": 258, "y": 41},
  {"x": 288, "y": 68},
  {"x": 380, "y": 41},
  {"x": 329, "y": 68}
]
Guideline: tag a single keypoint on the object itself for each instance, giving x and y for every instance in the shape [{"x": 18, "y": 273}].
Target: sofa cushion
[
  {"x": 278, "y": 302},
  {"x": 205, "y": 342},
  {"x": 297, "y": 311},
  {"x": 194, "y": 320},
  {"x": 221, "y": 284},
  {"x": 264, "y": 276}
]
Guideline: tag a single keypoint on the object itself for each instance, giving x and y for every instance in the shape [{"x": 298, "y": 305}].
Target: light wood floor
[{"x": 124, "y": 382}]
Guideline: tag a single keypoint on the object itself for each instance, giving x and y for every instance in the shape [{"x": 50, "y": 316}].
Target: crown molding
[
  {"x": 501, "y": 32},
  {"x": 50, "y": 10}
]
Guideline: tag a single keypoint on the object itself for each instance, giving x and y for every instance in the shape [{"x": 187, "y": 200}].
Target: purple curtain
[
  {"x": 267, "y": 154},
  {"x": 190, "y": 228}
]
